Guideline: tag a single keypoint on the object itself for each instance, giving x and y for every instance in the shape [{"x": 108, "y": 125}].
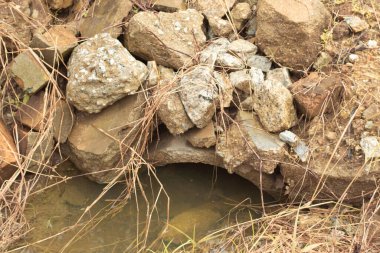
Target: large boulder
[
  {"x": 101, "y": 71},
  {"x": 198, "y": 93},
  {"x": 289, "y": 31},
  {"x": 105, "y": 16},
  {"x": 246, "y": 144},
  {"x": 273, "y": 103},
  {"x": 171, "y": 39},
  {"x": 96, "y": 141},
  {"x": 8, "y": 153}
]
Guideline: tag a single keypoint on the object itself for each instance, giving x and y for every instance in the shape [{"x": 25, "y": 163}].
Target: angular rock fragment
[
  {"x": 371, "y": 147},
  {"x": 175, "y": 149},
  {"x": 209, "y": 55},
  {"x": 240, "y": 13},
  {"x": 8, "y": 153},
  {"x": 105, "y": 16},
  {"x": 297, "y": 25},
  {"x": 97, "y": 141},
  {"x": 225, "y": 89},
  {"x": 28, "y": 72},
  {"x": 63, "y": 120},
  {"x": 171, "y": 110},
  {"x": 229, "y": 61},
  {"x": 242, "y": 48},
  {"x": 280, "y": 75},
  {"x": 202, "y": 138},
  {"x": 36, "y": 147},
  {"x": 214, "y": 8},
  {"x": 274, "y": 106},
  {"x": 219, "y": 27},
  {"x": 242, "y": 81},
  {"x": 356, "y": 24},
  {"x": 55, "y": 45},
  {"x": 101, "y": 71},
  {"x": 299, "y": 146},
  {"x": 246, "y": 143},
  {"x": 153, "y": 75},
  {"x": 33, "y": 114},
  {"x": 316, "y": 94},
  {"x": 259, "y": 62},
  {"x": 170, "y": 39},
  {"x": 198, "y": 94}
]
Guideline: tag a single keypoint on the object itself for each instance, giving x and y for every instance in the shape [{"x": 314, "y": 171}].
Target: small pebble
[
  {"x": 372, "y": 44},
  {"x": 353, "y": 57}
]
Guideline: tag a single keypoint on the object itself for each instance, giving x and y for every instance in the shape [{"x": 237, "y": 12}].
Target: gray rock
[
  {"x": 251, "y": 27},
  {"x": 247, "y": 143},
  {"x": 209, "y": 54},
  {"x": 302, "y": 151},
  {"x": 370, "y": 146},
  {"x": 198, "y": 94},
  {"x": 229, "y": 61},
  {"x": 356, "y": 24},
  {"x": 171, "y": 110},
  {"x": 274, "y": 106},
  {"x": 288, "y": 137},
  {"x": 280, "y": 75},
  {"x": 260, "y": 62},
  {"x": 257, "y": 76},
  {"x": 225, "y": 89},
  {"x": 101, "y": 71},
  {"x": 242, "y": 81},
  {"x": 170, "y": 39},
  {"x": 242, "y": 48}
]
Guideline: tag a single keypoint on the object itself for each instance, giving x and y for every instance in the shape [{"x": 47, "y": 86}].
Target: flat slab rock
[
  {"x": 247, "y": 143},
  {"x": 8, "y": 153},
  {"x": 101, "y": 71},
  {"x": 93, "y": 142},
  {"x": 170, "y": 39}
]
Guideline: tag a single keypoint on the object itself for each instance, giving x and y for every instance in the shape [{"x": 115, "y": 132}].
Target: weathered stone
[
  {"x": 280, "y": 75},
  {"x": 198, "y": 94},
  {"x": 8, "y": 153},
  {"x": 55, "y": 45},
  {"x": 101, "y": 71},
  {"x": 214, "y": 8},
  {"x": 169, "y": 5},
  {"x": 210, "y": 53},
  {"x": 28, "y": 72},
  {"x": 299, "y": 146},
  {"x": 202, "y": 138},
  {"x": 315, "y": 94},
  {"x": 298, "y": 25},
  {"x": 246, "y": 143},
  {"x": 171, "y": 110},
  {"x": 153, "y": 75},
  {"x": 105, "y": 16},
  {"x": 36, "y": 147},
  {"x": 63, "y": 121},
  {"x": 220, "y": 27},
  {"x": 96, "y": 140},
  {"x": 259, "y": 62},
  {"x": 247, "y": 104},
  {"x": 240, "y": 13},
  {"x": 196, "y": 220},
  {"x": 370, "y": 146},
  {"x": 175, "y": 149},
  {"x": 371, "y": 112},
  {"x": 251, "y": 27},
  {"x": 242, "y": 48},
  {"x": 171, "y": 39},
  {"x": 33, "y": 114},
  {"x": 242, "y": 80},
  {"x": 60, "y": 4},
  {"x": 340, "y": 31},
  {"x": 356, "y": 24},
  {"x": 257, "y": 76},
  {"x": 225, "y": 89},
  {"x": 274, "y": 106},
  {"x": 229, "y": 61}
]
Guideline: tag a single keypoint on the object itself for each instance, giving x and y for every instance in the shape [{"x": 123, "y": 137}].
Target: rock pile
[{"x": 224, "y": 100}]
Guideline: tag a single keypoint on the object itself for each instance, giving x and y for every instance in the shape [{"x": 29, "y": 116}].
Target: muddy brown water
[{"x": 202, "y": 199}]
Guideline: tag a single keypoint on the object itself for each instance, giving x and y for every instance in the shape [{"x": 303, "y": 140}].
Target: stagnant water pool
[{"x": 202, "y": 199}]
